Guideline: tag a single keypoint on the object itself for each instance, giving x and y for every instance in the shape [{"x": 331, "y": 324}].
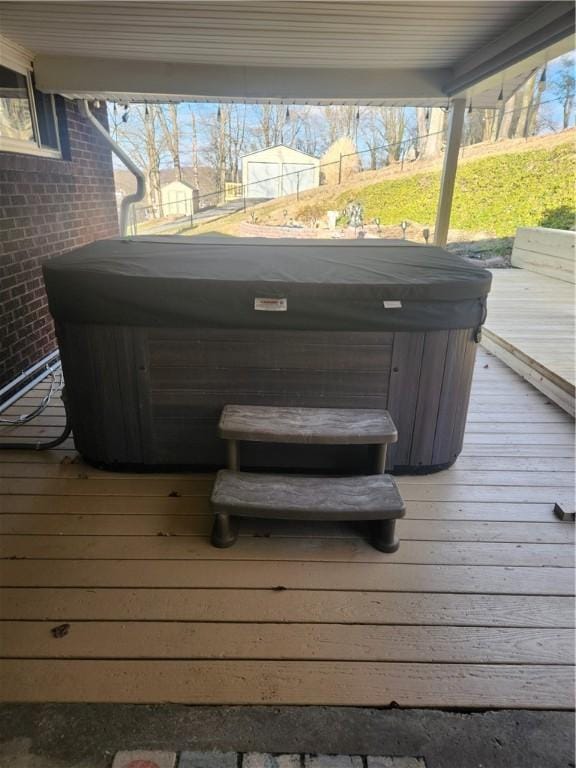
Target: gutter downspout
[{"x": 132, "y": 167}]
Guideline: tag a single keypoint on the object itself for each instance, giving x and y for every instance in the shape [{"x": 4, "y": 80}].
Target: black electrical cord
[{"x": 51, "y": 443}]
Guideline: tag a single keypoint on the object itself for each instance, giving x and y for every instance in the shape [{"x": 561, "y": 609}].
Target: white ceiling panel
[
  {"x": 307, "y": 51},
  {"x": 295, "y": 34}
]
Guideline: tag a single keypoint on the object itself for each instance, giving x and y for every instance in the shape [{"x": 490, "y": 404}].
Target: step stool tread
[
  {"x": 303, "y": 497},
  {"x": 328, "y": 426}
]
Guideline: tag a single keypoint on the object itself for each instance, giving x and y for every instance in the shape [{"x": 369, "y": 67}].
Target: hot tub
[{"x": 158, "y": 334}]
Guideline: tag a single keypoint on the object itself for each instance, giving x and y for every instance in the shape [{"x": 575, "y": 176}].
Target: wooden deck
[
  {"x": 530, "y": 326},
  {"x": 473, "y": 611}
]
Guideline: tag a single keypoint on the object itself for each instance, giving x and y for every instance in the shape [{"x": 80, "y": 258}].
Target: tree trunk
[
  {"x": 222, "y": 151},
  {"x": 529, "y": 93},
  {"x": 568, "y": 105},
  {"x": 195, "y": 173},
  {"x": 487, "y": 124},
  {"x": 432, "y": 132},
  {"x": 507, "y": 117},
  {"x": 153, "y": 156}
]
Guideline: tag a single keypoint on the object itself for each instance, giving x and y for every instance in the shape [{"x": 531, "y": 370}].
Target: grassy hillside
[
  {"x": 493, "y": 194},
  {"x": 499, "y": 187}
]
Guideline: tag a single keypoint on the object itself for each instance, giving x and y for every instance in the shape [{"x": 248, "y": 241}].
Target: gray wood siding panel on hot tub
[
  {"x": 103, "y": 392},
  {"x": 154, "y": 395},
  {"x": 214, "y": 368}
]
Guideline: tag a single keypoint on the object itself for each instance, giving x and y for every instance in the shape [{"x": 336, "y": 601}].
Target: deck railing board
[{"x": 531, "y": 315}]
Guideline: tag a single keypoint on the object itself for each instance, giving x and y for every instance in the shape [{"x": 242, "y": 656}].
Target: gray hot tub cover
[{"x": 214, "y": 283}]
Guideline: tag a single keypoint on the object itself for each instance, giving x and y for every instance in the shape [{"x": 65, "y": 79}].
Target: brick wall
[{"x": 47, "y": 206}]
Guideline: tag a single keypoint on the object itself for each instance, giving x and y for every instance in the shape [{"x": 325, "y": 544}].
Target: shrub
[
  {"x": 311, "y": 213},
  {"x": 333, "y": 169}
]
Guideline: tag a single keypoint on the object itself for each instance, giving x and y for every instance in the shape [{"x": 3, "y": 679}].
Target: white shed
[
  {"x": 178, "y": 198},
  {"x": 279, "y": 170}
]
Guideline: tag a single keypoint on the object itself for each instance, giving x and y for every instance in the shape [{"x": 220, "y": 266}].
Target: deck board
[
  {"x": 530, "y": 325},
  {"x": 474, "y": 610},
  {"x": 293, "y": 575},
  {"x": 357, "y": 683},
  {"x": 285, "y": 606},
  {"x": 353, "y": 642},
  {"x": 304, "y": 549},
  {"x": 200, "y": 525}
]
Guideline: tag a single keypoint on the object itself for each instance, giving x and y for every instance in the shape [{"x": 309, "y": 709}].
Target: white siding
[
  {"x": 177, "y": 199},
  {"x": 297, "y": 177},
  {"x": 262, "y": 179},
  {"x": 279, "y": 170}
]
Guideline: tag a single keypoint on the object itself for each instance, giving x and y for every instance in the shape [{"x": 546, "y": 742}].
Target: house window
[{"x": 28, "y": 121}]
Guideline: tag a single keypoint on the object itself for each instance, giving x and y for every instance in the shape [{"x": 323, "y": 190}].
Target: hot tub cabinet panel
[
  {"x": 153, "y": 396},
  {"x": 158, "y": 334}
]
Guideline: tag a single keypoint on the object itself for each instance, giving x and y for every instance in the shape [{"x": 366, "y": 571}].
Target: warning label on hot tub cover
[{"x": 271, "y": 305}]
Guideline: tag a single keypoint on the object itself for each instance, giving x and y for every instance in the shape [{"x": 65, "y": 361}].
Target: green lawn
[{"x": 496, "y": 194}]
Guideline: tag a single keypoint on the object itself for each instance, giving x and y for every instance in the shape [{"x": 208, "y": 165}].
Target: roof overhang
[
  {"x": 317, "y": 51},
  {"x": 159, "y": 81}
]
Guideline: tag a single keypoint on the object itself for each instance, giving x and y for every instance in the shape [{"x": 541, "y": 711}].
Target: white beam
[
  {"x": 114, "y": 77},
  {"x": 485, "y": 93},
  {"x": 551, "y": 25},
  {"x": 449, "y": 170}
]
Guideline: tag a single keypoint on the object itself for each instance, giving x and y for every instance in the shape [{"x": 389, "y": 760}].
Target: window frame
[{"x": 30, "y": 147}]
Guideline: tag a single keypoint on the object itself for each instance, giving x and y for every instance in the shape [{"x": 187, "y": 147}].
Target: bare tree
[
  {"x": 384, "y": 130},
  {"x": 533, "y": 110},
  {"x": 226, "y": 136},
  {"x": 311, "y": 135},
  {"x": 236, "y": 137},
  {"x": 194, "y": 152},
  {"x": 563, "y": 86},
  {"x": 169, "y": 122},
  {"x": 269, "y": 122},
  {"x": 220, "y": 144},
  {"x": 518, "y": 115},
  {"x": 530, "y": 102},
  {"x": 431, "y": 127},
  {"x": 142, "y": 133},
  {"x": 292, "y": 129},
  {"x": 508, "y": 116},
  {"x": 394, "y": 123},
  {"x": 479, "y": 125},
  {"x": 371, "y": 130},
  {"x": 342, "y": 121}
]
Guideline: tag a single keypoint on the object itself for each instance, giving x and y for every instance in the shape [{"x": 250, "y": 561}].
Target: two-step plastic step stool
[{"x": 373, "y": 497}]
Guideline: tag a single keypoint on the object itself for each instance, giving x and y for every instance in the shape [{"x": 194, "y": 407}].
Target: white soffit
[{"x": 311, "y": 51}]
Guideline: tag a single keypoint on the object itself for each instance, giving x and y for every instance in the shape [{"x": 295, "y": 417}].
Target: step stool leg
[
  {"x": 224, "y": 531},
  {"x": 383, "y": 537},
  {"x": 381, "y": 459},
  {"x": 233, "y": 463}
]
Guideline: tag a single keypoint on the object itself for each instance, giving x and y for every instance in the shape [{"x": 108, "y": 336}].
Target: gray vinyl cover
[{"x": 214, "y": 282}]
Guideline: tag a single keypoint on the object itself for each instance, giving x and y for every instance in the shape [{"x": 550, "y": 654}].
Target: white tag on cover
[
  {"x": 271, "y": 305},
  {"x": 392, "y": 304}
]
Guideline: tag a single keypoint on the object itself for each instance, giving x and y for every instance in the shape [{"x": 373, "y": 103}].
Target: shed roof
[
  {"x": 314, "y": 51},
  {"x": 276, "y": 146},
  {"x": 125, "y": 181},
  {"x": 178, "y": 181}
]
